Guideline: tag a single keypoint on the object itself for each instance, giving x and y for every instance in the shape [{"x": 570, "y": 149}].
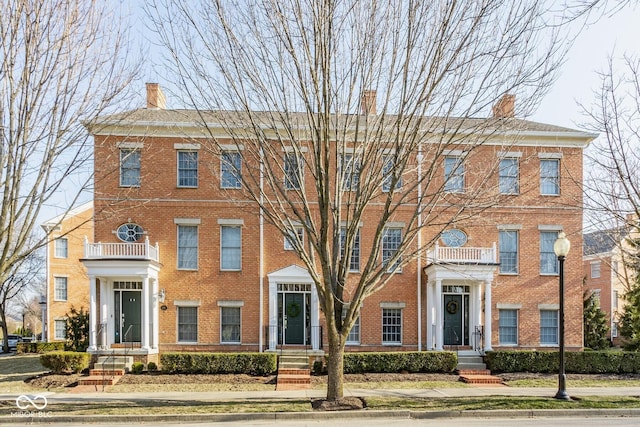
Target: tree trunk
[{"x": 335, "y": 365}]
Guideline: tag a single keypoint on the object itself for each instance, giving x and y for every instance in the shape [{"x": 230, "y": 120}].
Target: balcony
[
  {"x": 462, "y": 255},
  {"x": 133, "y": 251}
]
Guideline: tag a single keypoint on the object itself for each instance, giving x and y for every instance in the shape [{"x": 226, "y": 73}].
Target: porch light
[{"x": 562, "y": 245}]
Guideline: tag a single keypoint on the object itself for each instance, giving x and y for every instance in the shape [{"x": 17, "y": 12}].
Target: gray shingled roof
[{"x": 604, "y": 241}]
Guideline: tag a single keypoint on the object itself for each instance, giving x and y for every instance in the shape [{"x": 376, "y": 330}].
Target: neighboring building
[
  {"x": 67, "y": 280},
  {"x": 217, "y": 280},
  {"x": 606, "y": 274}
]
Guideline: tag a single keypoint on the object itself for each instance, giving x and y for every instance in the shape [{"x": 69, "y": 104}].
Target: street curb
[{"x": 308, "y": 416}]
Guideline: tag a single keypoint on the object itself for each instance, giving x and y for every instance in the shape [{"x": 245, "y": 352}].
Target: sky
[{"x": 578, "y": 78}]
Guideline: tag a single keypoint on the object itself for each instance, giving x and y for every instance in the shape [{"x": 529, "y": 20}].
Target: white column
[
  {"x": 146, "y": 303},
  {"x": 273, "y": 315},
  {"x": 487, "y": 316},
  {"x": 104, "y": 315},
  {"x": 155, "y": 302},
  {"x": 93, "y": 319},
  {"x": 477, "y": 304},
  {"x": 439, "y": 315},
  {"x": 315, "y": 319},
  {"x": 430, "y": 309}
]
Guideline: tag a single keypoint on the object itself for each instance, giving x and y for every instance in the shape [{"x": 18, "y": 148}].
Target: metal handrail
[
  {"x": 124, "y": 338},
  {"x": 478, "y": 334}
]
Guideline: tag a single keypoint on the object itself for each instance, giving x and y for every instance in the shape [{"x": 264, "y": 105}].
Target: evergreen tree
[
  {"x": 595, "y": 324},
  {"x": 77, "y": 328},
  {"x": 630, "y": 319}
]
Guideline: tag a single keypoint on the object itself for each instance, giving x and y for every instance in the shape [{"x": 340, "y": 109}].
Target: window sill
[
  {"x": 230, "y": 342},
  {"x": 226, "y": 270},
  {"x": 60, "y": 300},
  {"x": 508, "y": 274},
  {"x": 186, "y": 269},
  {"x": 187, "y": 342},
  {"x": 392, "y": 344},
  {"x": 549, "y": 345},
  {"x": 551, "y": 195},
  {"x": 186, "y": 187},
  {"x": 550, "y": 274},
  {"x": 129, "y": 186}
]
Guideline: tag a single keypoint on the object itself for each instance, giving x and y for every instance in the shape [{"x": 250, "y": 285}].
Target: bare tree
[
  {"x": 25, "y": 277},
  {"x": 355, "y": 104},
  {"x": 61, "y": 62}
]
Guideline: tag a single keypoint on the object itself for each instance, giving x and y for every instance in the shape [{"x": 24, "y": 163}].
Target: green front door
[
  {"x": 294, "y": 318},
  {"x": 131, "y": 316},
  {"x": 453, "y": 310}
]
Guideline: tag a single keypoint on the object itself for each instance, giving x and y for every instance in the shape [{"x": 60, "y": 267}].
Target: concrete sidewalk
[{"x": 248, "y": 396}]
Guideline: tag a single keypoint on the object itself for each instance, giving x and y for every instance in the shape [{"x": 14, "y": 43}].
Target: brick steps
[
  {"x": 293, "y": 379},
  {"x": 99, "y": 380},
  {"x": 479, "y": 377}
]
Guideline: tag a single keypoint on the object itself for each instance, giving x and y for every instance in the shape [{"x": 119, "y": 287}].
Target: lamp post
[
  {"x": 43, "y": 315},
  {"x": 561, "y": 248}
]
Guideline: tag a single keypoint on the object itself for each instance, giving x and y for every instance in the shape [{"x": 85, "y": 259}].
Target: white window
[
  {"x": 60, "y": 332},
  {"x": 230, "y": 325},
  {"x": 187, "y": 324},
  {"x": 614, "y": 329},
  {"x": 508, "y": 324},
  {"x": 350, "y": 168},
  {"x": 548, "y": 327},
  {"x": 508, "y": 176},
  {"x": 293, "y": 173},
  {"x": 388, "y": 173},
  {"x": 289, "y": 242},
  {"x": 354, "y": 333},
  {"x": 508, "y": 242},
  {"x": 60, "y": 289},
  {"x": 392, "y": 326},
  {"x": 391, "y": 241},
  {"x": 615, "y": 299},
  {"x": 596, "y": 296},
  {"x": 230, "y": 247},
  {"x": 230, "y": 170},
  {"x": 61, "y": 247},
  {"x": 548, "y": 260},
  {"x": 187, "y": 247},
  {"x": 454, "y": 174},
  {"x": 354, "y": 261},
  {"x": 595, "y": 270},
  {"x": 187, "y": 169},
  {"x": 550, "y": 177},
  {"x": 129, "y": 167}
]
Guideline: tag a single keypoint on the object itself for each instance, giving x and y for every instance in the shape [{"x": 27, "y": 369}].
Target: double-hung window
[
  {"x": 188, "y": 169},
  {"x": 187, "y": 247},
  {"x": 187, "y": 324},
  {"x": 60, "y": 332},
  {"x": 129, "y": 167},
  {"x": 354, "y": 260},
  {"x": 292, "y": 172},
  {"x": 61, "y": 247},
  {"x": 388, "y": 174},
  {"x": 392, "y": 326},
  {"x": 508, "y": 326},
  {"x": 548, "y": 259},
  {"x": 230, "y": 247},
  {"x": 296, "y": 234},
  {"x": 595, "y": 270},
  {"x": 354, "y": 333},
  {"x": 230, "y": 169},
  {"x": 230, "y": 325},
  {"x": 350, "y": 172},
  {"x": 454, "y": 174},
  {"x": 60, "y": 289},
  {"x": 508, "y": 176},
  {"x": 550, "y": 177},
  {"x": 508, "y": 242},
  {"x": 549, "y": 327},
  {"x": 391, "y": 241}
]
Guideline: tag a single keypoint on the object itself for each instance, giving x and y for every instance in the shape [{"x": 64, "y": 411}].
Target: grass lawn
[{"x": 17, "y": 368}]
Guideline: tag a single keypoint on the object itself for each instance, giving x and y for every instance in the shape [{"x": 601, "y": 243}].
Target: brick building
[
  {"x": 67, "y": 280},
  {"x": 184, "y": 262}
]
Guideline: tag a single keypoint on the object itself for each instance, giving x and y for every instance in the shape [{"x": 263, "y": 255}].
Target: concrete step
[
  {"x": 293, "y": 362},
  {"x": 471, "y": 367},
  {"x": 114, "y": 363}
]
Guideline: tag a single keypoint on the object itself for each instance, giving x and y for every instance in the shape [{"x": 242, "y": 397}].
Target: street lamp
[
  {"x": 43, "y": 315},
  {"x": 561, "y": 248}
]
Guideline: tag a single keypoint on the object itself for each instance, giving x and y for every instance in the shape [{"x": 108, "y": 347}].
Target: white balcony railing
[
  {"x": 144, "y": 251},
  {"x": 462, "y": 255}
]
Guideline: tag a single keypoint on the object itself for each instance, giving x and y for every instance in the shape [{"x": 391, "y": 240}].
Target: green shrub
[
  {"x": 39, "y": 347},
  {"x": 152, "y": 367},
  {"x": 137, "y": 368},
  {"x": 65, "y": 361},
  {"x": 424, "y": 361},
  {"x": 577, "y": 362},
  {"x": 219, "y": 363}
]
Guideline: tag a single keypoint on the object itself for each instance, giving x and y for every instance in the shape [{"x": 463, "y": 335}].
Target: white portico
[
  {"x": 457, "y": 278},
  {"x": 124, "y": 296}
]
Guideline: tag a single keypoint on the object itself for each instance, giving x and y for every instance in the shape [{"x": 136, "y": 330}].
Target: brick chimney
[
  {"x": 368, "y": 102},
  {"x": 505, "y": 107},
  {"x": 155, "y": 97}
]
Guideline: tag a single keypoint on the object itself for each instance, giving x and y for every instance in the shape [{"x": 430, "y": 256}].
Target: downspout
[
  {"x": 261, "y": 261},
  {"x": 419, "y": 278}
]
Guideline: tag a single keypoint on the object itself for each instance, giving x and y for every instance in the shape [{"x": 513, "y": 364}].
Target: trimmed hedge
[
  {"x": 39, "y": 347},
  {"x": 424, "y": 361},
  {"x": 219, "y": 363},
  {"x": 65, "y": 361},
  {"x": 577, "y": 362}
]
